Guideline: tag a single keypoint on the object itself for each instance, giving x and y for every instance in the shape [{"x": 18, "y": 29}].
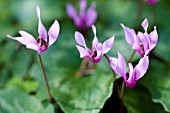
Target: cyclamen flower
[
  {"x": 151, "y": 2},
  {"x": 98, "y": 49},
  {"x": 143, "y": 43},
  {"x": 134, "y": 74},
  {"x": 40, "y": 45},
  {"x": 83, "y": 19}
]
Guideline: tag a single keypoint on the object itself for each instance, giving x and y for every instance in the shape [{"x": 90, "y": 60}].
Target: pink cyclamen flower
[
  {"x": 134, "y": 74},
  {"x": 151, "y": 2},
  {"x": 83, "y": 19},
  {"x": 41, "y": 44},
  {"x": 143, "y": 43},
  {"x": 98, "y": 49}
]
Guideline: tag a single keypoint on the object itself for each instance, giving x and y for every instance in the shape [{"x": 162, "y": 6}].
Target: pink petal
[
  {"x": 41, "y": 29},
  {"x": 24, "y": 39},
  {"x": 27, "y": 40},
  {"x": 83, "y": 4},
  {"x": 145, "y": 24},
  {"x": 80, "y": 39},
  {"x": 34, "y": 47},
  {"x": 95, "y": 43},
  {"x": 153, "y": 38},
  {"x": 83, "y": 52},
  {"x": 19, "y": 39},
  {"x": 142, "y": 67},
  {"x": 94, "y": 30},
  {"x": 71, "y": 11},
  {"x": 113, "y": 63},
  {"x": 53, "y": 32},
  {"x": 99, "y": 49},
  {"x": 121, "y": 66},
  {"x": 27, "y": 37},
  {"x": 91, "y": 15},
  {"x": 129, "y": 34},
  {"x": 137, "y": 46},
  {"x": 107, "y": 45},
  {"x": 144, "y": 38},
  {"x": 95, "y": 40}
]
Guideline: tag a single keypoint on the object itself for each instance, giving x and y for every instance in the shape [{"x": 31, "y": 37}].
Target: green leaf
[
  {"x": 13, "y": 100},
  {"x": 157, "y": 82},
  {"x": 26, "y": 85},
  {"x": 162, "y": 48},
  {"x": 138, "y": 100}
]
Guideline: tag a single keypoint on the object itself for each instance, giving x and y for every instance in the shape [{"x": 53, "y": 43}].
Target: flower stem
[
  {"x": 132, "y": 55},
  {"x": 114, "y": 74},
  {"x": 123, "y": 84},
  {"x": 139, "y": 12},
  {"x": 121, "y": 96},
  {"x": 46, "y": 81}
]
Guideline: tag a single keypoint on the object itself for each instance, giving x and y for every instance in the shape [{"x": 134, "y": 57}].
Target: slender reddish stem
[
  {"x": 45, "y": 79},
  {"x": 123, "y": 83},
  {"x": 114, "y": 74}
]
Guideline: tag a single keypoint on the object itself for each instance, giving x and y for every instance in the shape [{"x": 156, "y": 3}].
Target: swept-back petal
[
  {"x": 95, "y": 43},
  {"x": 80, "y": 39},
  {"x": 95, "y": 40},
  {"x": 27, "y": 37},
  {"x": 137, "y": 46},
  {"x": 91, "y": 15},
  {"x": 41, "y": 29},
  {"x": 153, "y": 38},
  {"x": 34, "y": 47},
  {"x": 99, "y": 50},
  {"x": 142, "y": 67},
  {"x": 94, "y": 29},
  {"x": 19, "y": 39},
  {"x": 27, "y": 40},
  {"x": 71, "y": 11},
  {"x": 121, "y": 66},
  {"x": 145, "y": 24},
  {"x": 83, "y": 52},
  {"x": 107, "y": 45},
  {"x": 53, "y": 32},
  {"x": 83, "y": 4},
  {"x": 24, "y": 39},
  {"x": 144, "y": 38},
  {"x": 129, "y": 34},
  {"x": 113, "y": 63}
]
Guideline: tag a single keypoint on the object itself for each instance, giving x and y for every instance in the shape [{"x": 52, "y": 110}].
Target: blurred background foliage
[{"x": 22, "y": 88}]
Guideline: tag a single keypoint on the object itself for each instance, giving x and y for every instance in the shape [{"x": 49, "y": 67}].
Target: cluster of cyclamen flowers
[{"x": 142, "y": 43}]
